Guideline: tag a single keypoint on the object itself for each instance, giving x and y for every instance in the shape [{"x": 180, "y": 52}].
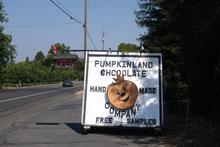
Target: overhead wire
[
  {"x": 71, "y": 17},
  {"x": 111, "y": 25},
  {"x": 38, "y": 25},
  {"x": 59, "y": 6},
  {"x": 67, "y": 10},
  {"x": 66, "y": 23},
  {"x": 62, "y": 6},
  {"x": 90, "y": 38}
]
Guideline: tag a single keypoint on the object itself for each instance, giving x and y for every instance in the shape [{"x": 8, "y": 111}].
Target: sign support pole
[{"x": 85, "y": 27}]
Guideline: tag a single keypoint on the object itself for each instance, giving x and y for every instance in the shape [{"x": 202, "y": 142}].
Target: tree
[
  {"x": 7, "y": 51},
  {"x": 200, "y": 29},
  {"x": 60, "y": 48},
  {"x": 186, "y": 32},
  {"x": 127, "y": 47},
  {"x": 39, "y": 56},
  {"x": 157, "y": 17},
  {"x": 27, "y": 59}
]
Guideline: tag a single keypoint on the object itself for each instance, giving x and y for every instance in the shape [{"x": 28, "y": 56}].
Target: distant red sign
[
  {"x": 55, "y": 50},
  {"x": 64, "y": 62}
]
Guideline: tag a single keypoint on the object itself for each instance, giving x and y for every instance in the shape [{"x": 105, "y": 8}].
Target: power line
[
  {"x": 38, "y": 25},
  {"x": 59, "y": 6},
  {"x": 103, "y": 40},
  {"x": 62, "y": 6},
  {"x": 111, "y": 25},
  {"x": 90, "y": 38},
  {"x": 64, "y": 23},
  {"x": 71, "y": 17},
  {"x": 67, "y": 9}
]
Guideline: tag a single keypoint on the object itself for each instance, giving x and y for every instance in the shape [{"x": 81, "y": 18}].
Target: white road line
[{"x": 22, "y": 97}]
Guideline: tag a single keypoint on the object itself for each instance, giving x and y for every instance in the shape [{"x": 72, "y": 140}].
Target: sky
[{"x": 37, "y": 24}]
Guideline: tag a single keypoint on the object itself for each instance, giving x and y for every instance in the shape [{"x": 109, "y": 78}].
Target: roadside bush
[{"x": 32, "y": 73}]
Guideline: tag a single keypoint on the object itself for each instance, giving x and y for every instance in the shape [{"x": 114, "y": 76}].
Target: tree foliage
[
  {"x": 186, "y": 32},
  {"x": 127, "y": 47},
  {"x": 27, "y": 59},
  {"x": 7, "y": 51},
  {"x": 2, "y": 13},
  {"x": 35, "y": 72},
  {"x": 39, "y": 56},
  {"x": 62, "y": 49}
]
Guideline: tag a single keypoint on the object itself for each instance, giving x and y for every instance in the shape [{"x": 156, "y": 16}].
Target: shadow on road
[
  {"x": 113, "y": 130},
  {"x": 135, "y": 135},
  {"x": 75, "y": 127}
]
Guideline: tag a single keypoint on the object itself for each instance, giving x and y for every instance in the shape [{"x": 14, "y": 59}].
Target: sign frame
[{"x": 86, "y": 115}]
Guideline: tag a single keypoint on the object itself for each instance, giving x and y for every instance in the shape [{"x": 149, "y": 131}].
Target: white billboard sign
[{"x": 123, "y": 89}]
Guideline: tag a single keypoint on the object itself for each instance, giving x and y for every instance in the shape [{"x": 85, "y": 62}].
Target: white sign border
[{"x": 122, "y": 54}]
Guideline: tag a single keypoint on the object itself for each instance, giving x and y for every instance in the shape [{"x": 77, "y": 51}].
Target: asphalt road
[{"x": 49, "y": 116}]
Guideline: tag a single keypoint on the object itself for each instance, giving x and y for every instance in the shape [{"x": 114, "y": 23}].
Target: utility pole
[
  {"x": 85, "y": 27},
  {"x": 103, "y": 40}
]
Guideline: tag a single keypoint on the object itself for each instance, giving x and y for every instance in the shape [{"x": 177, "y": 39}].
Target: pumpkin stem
[{"x": 119, "y": 79}]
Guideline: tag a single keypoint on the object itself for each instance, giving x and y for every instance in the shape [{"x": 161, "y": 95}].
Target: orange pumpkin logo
[{"x": 123, "y": 93}]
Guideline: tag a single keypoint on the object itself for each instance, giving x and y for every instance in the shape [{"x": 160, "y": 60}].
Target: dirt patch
[
  {"x": 79, "y": 93},
  {"x": 199, "y": 132}
]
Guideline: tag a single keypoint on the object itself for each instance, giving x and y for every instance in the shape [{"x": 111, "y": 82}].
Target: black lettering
[
  {"x": 150, "y": 64},
  {"x": 92, "y": 88},
  {"x": 154, "y": 90},
  {"x": 123, "y": 63},
  {"x": 108, "y": 63},
  {"x": 144, "y": 73},
  {"x": 100, "y": 88},
  {"x": 110, "y": 120},
  {"x": 108, "y": 73},
  {"x": 101, "y": 120},
  {"x": 97, "y": 89},
  {"x": 113, "y": 63},
  {"x": 152, "y": 121},
  {"x": 141, "y": 121},
  {"x": 102, "y": 64},
  {"x": 106, "y": 105},
  {"x": 148, "y": 90},
  {"x": 123, "y": 113},
  {"x": 141, "y": 90},
  {"x": 128, "y": 120},
  {"x": 128, "y": 74},
  {"x": 113, "y": 73},
  {"x": 117, "y": 113},
  {"x": 138, "y": 73},
  {"x": 118, "y": 63},
  {"x": 128, "y": 114},
  {"x": 145, "y": 64},
  {"x": 137, "y": 121},
  {"x": 111, "y": 110},
  {"x": 133, "y": 111},
  {"x": 134, "y": 73},
  {"x": 138, "y": 107},
  {"x": 102, "y": 72},
  {"x": 139, "y": 65},
  {"x": 129, "y": 64},
  {"x": 118, "y": 72},
  {"x": 133, "y": 65},
  {"x": 123, "y": 72},
  {"x": 96, "y": 62},
  {"x": 104, "y": 120},
  {"x": 97, "y": 119}
]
